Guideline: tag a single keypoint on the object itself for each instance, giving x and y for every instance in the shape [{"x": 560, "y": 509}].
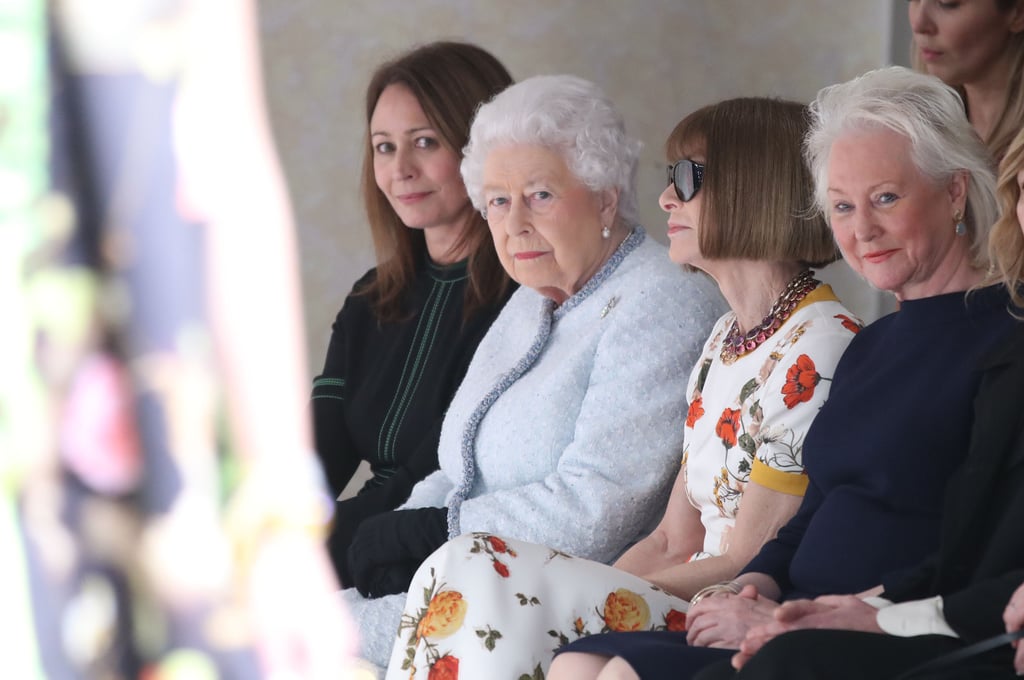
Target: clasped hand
[
  {"x": 840, "y": 612},
  {"x": 723, "y": 620}
]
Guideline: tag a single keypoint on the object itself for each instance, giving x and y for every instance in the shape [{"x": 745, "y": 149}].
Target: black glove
[
  {"x": 348, "y": 515},
  {"x": 387, "y": 549}
]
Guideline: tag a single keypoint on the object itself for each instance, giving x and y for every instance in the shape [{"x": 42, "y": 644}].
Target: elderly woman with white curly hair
[{"x": 567, "y": 428}]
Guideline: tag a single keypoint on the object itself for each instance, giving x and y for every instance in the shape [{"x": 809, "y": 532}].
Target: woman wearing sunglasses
[{"x": 737, "y": 198}]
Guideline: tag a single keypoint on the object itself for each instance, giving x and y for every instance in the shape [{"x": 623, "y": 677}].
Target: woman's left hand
[
  {"x": 387, "y": 548},
  {"x": 1013, "y": 616},
  {"x": 723, "y": 620}
]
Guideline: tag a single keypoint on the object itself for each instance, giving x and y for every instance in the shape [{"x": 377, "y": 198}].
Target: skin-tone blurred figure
[
  {"x": 162, "y": 539},
  {"x": 231, "y": 180},
  {"x": 976, "y": 46}
]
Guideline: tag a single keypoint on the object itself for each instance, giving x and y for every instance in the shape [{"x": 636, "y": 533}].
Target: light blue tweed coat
[{"x": 568, "y": 428}]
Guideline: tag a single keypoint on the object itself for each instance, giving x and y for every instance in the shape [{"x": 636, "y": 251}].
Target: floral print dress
[{"x": 490, "y": 606}]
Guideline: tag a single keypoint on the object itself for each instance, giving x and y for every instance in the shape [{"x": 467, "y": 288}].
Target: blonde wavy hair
[{"x": 1006, "y": 241}]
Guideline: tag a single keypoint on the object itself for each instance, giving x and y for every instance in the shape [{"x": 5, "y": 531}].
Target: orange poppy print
[
  {"x": 848, "y": 323},
  {"x": 728, "y": 427},
  {"x": 801, "y": 379},
  {"x": 695, "y": 412}
]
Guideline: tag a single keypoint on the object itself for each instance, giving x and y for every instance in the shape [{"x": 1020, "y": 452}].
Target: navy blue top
[{"x": 880, "y": 452}]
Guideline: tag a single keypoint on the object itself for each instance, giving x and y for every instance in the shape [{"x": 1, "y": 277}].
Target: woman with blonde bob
[
  {"x": 907, "y": 187},
  {"x": 737, "y": 202}
]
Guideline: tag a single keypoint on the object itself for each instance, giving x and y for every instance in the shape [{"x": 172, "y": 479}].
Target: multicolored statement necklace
[{"x": 736, "y": 344}]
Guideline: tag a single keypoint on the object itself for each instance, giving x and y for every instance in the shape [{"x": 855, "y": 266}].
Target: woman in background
[
  {"x": 402, "y": 342},
  {"x": 977, "y": 46}
]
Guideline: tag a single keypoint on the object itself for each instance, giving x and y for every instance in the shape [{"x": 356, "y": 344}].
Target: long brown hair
[
  {"x": 1011, "y": 118},
  {"x": 449, "y": 80}
]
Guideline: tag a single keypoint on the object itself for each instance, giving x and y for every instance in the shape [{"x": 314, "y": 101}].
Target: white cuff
[{"x": 917, "y": 617}]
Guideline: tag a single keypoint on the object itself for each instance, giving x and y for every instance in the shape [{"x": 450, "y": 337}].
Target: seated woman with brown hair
[{"x": 403, "y": 339}]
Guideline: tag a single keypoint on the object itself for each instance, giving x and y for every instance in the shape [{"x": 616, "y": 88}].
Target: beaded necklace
[{"x": 736, "y": 344}]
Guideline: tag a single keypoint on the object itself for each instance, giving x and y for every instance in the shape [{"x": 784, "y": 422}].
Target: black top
[
  {"x": 981, "y": 558},
  {"x": 385, "y": 387}
]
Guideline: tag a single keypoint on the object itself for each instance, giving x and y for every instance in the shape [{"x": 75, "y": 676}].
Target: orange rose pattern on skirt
[
  {"x": 465, "y": 615},
  {"x": 444, "y": 615},
  {"x": 445, "y": 668},
  {"x": 626, "y": 611}
]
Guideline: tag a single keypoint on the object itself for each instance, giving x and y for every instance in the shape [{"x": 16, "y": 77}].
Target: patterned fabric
[
  {"x": 747, "y": 420},
  {"x": 488, "y": 606},
  {"x": 484, "y": 602}
]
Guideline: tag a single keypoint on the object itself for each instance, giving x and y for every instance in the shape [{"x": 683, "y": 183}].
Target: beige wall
[{"x": 658, "y": 59}]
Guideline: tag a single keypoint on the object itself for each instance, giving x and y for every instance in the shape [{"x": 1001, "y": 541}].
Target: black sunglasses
[{"x": 686, "y": 176}]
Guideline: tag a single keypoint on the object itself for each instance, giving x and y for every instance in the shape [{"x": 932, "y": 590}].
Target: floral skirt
[{"x": 488, "y": 607}]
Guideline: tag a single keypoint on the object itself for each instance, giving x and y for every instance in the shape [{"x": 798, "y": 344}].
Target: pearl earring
[{"x": 606, "y": 232}]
